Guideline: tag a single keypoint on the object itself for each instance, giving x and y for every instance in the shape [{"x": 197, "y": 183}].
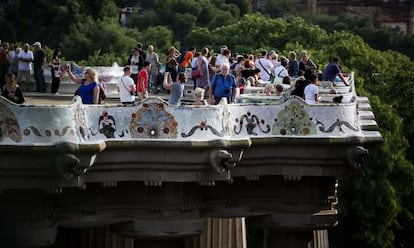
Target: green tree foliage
[
  {"x": 372, "y": 32},
  {"x": 183, "y": 23},
  {"x": 89, "y": 36},
  {"x": 160, "y": 37},
  {"x": 221, "y": 18},
  {"x": 244, "y": 6},
  {"x": 143, "y": 19},
  {"x": 199, "y": 38},
  {"x": 377, "y": 208}
]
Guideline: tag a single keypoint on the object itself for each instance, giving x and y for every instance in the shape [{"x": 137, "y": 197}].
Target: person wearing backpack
[{"x": 222, "y": 85}]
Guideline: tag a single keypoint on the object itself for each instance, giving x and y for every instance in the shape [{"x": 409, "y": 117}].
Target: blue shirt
[
  {"x": 330, "y": 72},
  {"x": 86, "y": 92},
  {"x": 177, "y": 91},
  {"x": 293, "y": 68},
  {"x": 223, "y": 87}
]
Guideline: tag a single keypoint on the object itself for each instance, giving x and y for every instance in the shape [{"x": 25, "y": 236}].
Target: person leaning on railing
[{"x": 332, "y": 70}]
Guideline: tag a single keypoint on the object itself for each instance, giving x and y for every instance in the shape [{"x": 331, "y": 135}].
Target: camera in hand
[{"x": 131, "y": 92}]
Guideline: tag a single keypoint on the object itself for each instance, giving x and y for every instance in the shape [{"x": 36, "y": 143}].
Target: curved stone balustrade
[{"x": 155, "y": 171}]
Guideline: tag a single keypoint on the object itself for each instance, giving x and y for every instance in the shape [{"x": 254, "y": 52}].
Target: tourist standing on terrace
[
  {"x": 202, "y": 64},
  {"x": 55, "y": 71},
  {"x": 223, "y": 57},
  {"x": 4, "y": 62},
  {"x": 11, "y": 90},
  {"x": 188, "y": 57},
  {"x": 39, "y": 60},
  {"x": 176, "y": 88},
  {"x": 293, "y": 65},
  {"x": 89, "y": 88},
  {"x": 332, "y": 70},
  {"x": 223, "y": 85},
  {"x": 265, "y": 66},
  {"x": 134, "y": 62},
  {"x": 239, "y": 67},
  {"x": 25, "y": 64},
  {"x": 171, "y": 62},
  {"x": 273, "y": 58},
  {"x": 307, "y": 65},
  {"x": 126, "y": 87},
  {"x": 143, "y": 77},
  {"x": 14, "y": 60},
  {"x": 212, "y": 69},
  {"x": 152, "y": 58},
  {"x": 311, "y": 90},
  {"x": 142, "y": 53},
  {"x": 194, "y": 66}
]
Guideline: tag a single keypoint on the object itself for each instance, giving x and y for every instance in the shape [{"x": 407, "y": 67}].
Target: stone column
[{"x": 291, "y": 239}]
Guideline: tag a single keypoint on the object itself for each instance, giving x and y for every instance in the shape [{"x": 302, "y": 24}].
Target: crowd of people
[
  {"x": 221, "y": 75},
  {"x": 17, "y": 63}
]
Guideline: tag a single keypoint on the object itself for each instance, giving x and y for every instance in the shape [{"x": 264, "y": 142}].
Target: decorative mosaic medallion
[
  {"x": 153, "y": 121},
  {"x": 293, "y": 120}
]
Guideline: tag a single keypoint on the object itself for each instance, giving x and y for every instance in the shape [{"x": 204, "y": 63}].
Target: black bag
[{"x": 102, "y": 94}]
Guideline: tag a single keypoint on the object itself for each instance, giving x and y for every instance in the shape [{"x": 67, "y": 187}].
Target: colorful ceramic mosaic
[
  {"x": 252, "y": 122},
  {"x": 153, "y": 121},
  {"x": 9, "y": 125},
  {"x": 293, "y": 120}
]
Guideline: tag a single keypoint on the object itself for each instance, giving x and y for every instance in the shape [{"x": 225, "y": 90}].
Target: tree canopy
[{"x": 375, "y": 209}]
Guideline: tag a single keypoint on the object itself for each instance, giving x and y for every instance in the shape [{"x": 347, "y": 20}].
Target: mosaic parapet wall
[{"x": 155, "y": 120}]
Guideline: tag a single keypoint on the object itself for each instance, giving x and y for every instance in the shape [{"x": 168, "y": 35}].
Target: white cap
[{"x": 37, "y": 44}]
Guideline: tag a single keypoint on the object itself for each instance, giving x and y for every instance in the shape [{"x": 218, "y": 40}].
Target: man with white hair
[
  {"x": 222, "y": 85},
  {"x": 223, "y": 57},
  {"x": 39, "y": 61},
  {"x": 153, "y": 59}
]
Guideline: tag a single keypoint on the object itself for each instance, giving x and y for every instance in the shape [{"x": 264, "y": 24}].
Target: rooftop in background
[
  {"x": 130, "y": 9},
  {"x": 393, "y": 13}
]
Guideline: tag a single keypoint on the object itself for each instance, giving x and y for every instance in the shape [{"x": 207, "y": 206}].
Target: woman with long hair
[{"x": 11, "y": 90}]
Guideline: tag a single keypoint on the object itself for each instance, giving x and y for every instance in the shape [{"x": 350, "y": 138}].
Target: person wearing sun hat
[{"x": 39, "y": 61}]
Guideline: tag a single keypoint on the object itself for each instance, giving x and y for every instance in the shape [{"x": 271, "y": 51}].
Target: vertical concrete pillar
[
  {"x": 223, "y": 233},
  {"x": 291, "y": 239}
]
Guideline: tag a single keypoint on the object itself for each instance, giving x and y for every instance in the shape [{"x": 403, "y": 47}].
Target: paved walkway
[{"x": 34, "y": 98}]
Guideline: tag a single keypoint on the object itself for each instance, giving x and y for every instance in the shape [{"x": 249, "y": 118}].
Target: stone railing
[{"x": 152, "y": 171}]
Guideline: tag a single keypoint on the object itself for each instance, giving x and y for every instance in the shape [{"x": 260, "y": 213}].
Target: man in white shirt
[
  {"x": 126, "y": 87},
  {"x": 265, "y": 66},
  {"x": 223, "y": 57},
  {"x": 311, "y": 90},
  {"x": 25, "y": 64}
]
